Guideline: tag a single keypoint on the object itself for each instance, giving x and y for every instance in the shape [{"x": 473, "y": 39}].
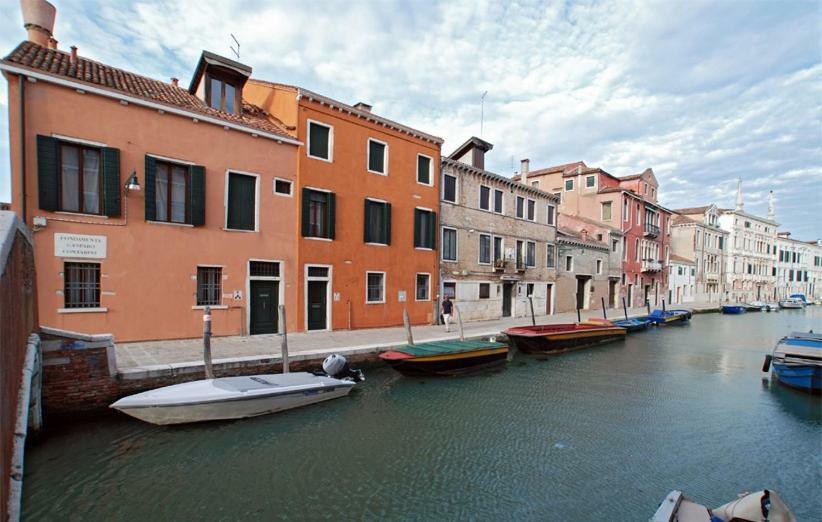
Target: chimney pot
[
  {"x": 363, "y": 106},
  {"x": 52, "y": 43},
  {"x": 175, "y": 82},
  {"x": 73, "y": 54},
  {"x": 524, "y": 168},
  {"x": 38, "y": 20}
]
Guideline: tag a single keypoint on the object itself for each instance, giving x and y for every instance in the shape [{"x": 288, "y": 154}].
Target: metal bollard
[{"x": 209, "y": 370}]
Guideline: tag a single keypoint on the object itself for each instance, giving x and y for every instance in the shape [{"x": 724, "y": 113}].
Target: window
[
  {"x": 614, "y": 245},
  {"x": 377, "y": 157},
  {"x": 530, "y": 254},
  {"x": 520, "y": 253},
  {"x": 569, "y": 264},
  {"x": 484, "y": 249},
  {"x": 170, "y": 190},
  {"x": 636, "y": 250},
  {"x": 498, "y": 253},
  {"x": 241, "y": 212},
  {"x": 263, "y": 269},
  {"x": 551, "y": 214},
  {"x": 532, "y": 210},
  {"x": 599, "y": 266},
  {"x": 637, "y": 214},
  {"x": 449, "y": 244},
  {"x": 529, "y": 289},
  {"x": 425, "y": 228},
  {"x": 209, "y": 285},
  {"x": 484, "y": 290},
  {"x": 520, "y": 207},
  {"x": 606, "y": 211},
  {"x": 222, "y": 95},
  {"x": 484, "y": 198},
  {"x": 569, "y": 185},
  {"x": 81, "y": 285},
  {"x": 80, "y": 179},
  {"x": 498, "y": 201},
  {"x": 282, "y": 187},
  {"x": 424, "y": 168},
  {"x": 320, "y": 141},
  {"x": 377, "y": 222},
  {"x": 590, "y": 181},
  {"x": 318, "y": 214},
  {"x": 559, "y": 197},
  {"x": 375, "y": 287},
  {"x": 535, "y": 184},
  {"x": 551, "y": 256},
  {"x": 449, "y": 289},
  {"x": 449, "y": 188},
  {"x": 625, "y": 210},
  {"x": 423, "y": 287}
]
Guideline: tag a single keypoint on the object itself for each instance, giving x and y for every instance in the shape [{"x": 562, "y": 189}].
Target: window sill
[
  {"x": 70, "y": 213},
  {"x": 82, "y": 310},
  {"x": 319, "y": 158},
  {"x": 376, "y": 244},
  {"x": 424, "y": 249},
  {"x": 424, "y": 184},
  {"x": 422, "y": 300},
  {"x": 374, "y": 302},
  {"x": 378, "y": 173},
  {"x": 213, "y": 307},
  {"x": 239, "y": 230},
  {"x": 169, "y": 223},
  {"x": 449, "y": 260},
  {"x": 318, "y": 238}
]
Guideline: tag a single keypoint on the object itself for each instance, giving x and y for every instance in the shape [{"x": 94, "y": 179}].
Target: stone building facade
[
  {"x": 681, "y": 280},
  {"x": 583, "y": 280},
  {"x": 798, "y": 267},
  {"x": 497, "y": 239},
  {"x": 695, "y": 235}
]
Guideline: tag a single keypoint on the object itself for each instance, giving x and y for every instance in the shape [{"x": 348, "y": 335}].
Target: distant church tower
[{"x": 739, "y": 204}]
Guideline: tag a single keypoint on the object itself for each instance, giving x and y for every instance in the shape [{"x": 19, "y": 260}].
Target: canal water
[{"x": 597, "y": 434}]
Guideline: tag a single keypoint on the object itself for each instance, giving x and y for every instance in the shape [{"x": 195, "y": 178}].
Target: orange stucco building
[
  {"x": 150, "y": 200},
  {"x": 381, "y": 179}
]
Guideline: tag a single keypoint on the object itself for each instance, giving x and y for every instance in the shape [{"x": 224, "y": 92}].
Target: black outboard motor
[{"x": 337, "y": 367}]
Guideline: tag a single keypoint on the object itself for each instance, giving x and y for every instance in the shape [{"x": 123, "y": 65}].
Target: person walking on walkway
[{"x": 447, "y": 308}]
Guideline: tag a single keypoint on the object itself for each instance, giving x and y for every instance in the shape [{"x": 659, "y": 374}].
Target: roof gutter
[
  {"x": 145, "y": 103},
  {"x": 21, "y": 82}
]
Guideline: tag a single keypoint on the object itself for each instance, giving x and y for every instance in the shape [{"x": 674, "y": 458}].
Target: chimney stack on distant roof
[
  {"x": 175, "y": 82},
  {"x": 362, "y": 106},
  {"x": 524, "y": 168},
  {"x": 73, "y": 59},
  {"x": 52, "y": 44},
  {"x": 38, "y": 19}
]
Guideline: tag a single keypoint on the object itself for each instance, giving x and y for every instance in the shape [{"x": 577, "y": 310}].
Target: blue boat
[
  {"x": 797, "y": 361},
  {"x": 661, "y": 317},
  {"x": 734, "y": 309},
  {"x": 634, "y": 325},
  {"x": 801, "y": 297}
]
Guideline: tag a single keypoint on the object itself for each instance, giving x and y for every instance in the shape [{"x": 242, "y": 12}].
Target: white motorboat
[
  {"x": 762, "y": 506},
  {"x": 771, "y": 307},
  {"x": 226, "y": 398},
  {"x": 792, "y": 303}
]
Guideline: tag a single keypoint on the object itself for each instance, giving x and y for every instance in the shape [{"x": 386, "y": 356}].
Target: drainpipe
[{"x": 21, "y": 82}]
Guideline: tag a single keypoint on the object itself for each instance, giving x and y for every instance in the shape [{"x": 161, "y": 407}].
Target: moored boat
[
  {"x": 661, "y": 317},
  {"x": 226, "y": 398},
  {"x": 792, "y": 303},
  {"x": 733, "y": 309},
  {"x": 452, "y": 357},
  {"x": 771, "y": 307},
  {"x": 761, "y": 506},
  {"x": 755, "y": 306},
  {"x": 554, "y": 338},
  {"x": 631, "y": 324},
  {"x": 797, "y": 361}
]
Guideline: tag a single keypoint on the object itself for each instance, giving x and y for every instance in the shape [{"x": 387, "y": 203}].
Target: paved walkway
[{"x": 157, "y": 355}]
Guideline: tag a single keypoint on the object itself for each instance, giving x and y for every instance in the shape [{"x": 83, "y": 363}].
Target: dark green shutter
[
  {"x": 111, "y": 182},
  {"x": 196, "y": 194},
  {"x": 151, "y": 188},
  {"x": 47, "y": 174},
  {"x": 366, "y": 221},
  {"x": 417, "y": 227},
  {"x": 332, "y": 211},
  {"x": 432, "y": 230},
  {"x": 306, "y": 213},
  {"x": 387, "y": 222},
  {"x": 241, "y": 201}
]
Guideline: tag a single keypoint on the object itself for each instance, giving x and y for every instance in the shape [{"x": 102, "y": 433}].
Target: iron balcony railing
[
  {"x": 651, "y": 230},
  {"x": 651, "y": 265}
]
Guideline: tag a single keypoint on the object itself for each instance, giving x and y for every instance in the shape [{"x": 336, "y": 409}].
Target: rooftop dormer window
[
  {"x": 219, "y": 82},
  {"x": 222, "y": 95}
]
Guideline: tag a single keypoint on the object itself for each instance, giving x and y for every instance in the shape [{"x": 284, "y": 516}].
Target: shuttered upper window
[
  {"x": 320, "y": 140},
  {"x": 377, "y": 157},
  {"x": 318, "y": 209},
  {"x": 74, "y": 177},
  {"x": 425, "y": 228},
  {"x": 424, "y": 168},
  {"x": 241, "y": 212},
  {"x": 175, "y": 193},
  {"x": 377, "y": 222}
]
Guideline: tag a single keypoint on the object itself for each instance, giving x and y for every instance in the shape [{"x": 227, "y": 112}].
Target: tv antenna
[
  {"x": 233, "y": 50},
  {"x": 482, "y": 111}
]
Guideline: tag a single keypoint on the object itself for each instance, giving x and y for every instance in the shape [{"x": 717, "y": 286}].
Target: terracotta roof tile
[
  {"x": 692, "y": 210},
  {"x": 680, "y": 259},
  {"x": 58, "y": 63}
]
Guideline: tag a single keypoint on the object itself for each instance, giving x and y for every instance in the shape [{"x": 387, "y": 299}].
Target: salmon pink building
[{"x": 627, "y": 203}]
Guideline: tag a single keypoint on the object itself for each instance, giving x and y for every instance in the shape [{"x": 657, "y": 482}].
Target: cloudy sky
[{"x": 702, "y": 92}]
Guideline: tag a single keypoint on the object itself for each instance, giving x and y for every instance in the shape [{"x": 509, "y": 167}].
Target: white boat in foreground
[
  {"x": 226, "y": 398},
  {"x": 792, "y": 303},
  {"x": 762, "y": 506}
]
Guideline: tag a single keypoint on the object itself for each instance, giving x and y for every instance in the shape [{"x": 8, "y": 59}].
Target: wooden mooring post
[
  {"x": 209, "y": 369},
  {"x": 625, "y": 308},
  {"x": 604, "y": 311},
  {"x": 533, "y": 318},
  {"x": 407, "y": 322},
  {"x": 459, "y": 322},
  {"x": 284, "y": 341}
]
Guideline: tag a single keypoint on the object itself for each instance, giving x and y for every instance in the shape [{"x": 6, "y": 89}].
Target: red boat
[{"x": 555, "y": 338}]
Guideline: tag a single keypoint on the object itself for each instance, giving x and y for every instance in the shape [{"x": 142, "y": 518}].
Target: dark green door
[
  {"x": 317, "y": 305},
  {"x": 264, "y": 301},
  {"x": 507, "y": 291}
]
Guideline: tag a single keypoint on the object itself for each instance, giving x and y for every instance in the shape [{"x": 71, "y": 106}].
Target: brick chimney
[
  {"x": 363, "y": 106},
  {"x": 38, "y": 20},
  {"x": 175, "y": 82},
  {"x": 524, "y": 168},
  {"x": 73, "y": 58}
]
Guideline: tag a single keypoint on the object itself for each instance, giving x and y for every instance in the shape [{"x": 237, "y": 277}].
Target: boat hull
[
  {"x": 733, "y": 310},
  {"x": 562, "y": 341},
  {"x": 448, "y": 364},
  {"x": 804, "y": 377}
]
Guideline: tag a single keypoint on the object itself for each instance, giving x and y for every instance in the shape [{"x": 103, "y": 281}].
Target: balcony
[
  {"x": 499, "y": 265},
  {"x": 651, "y": 230},
  {"x": 651, "y": 265},
  {"x": 520, "y": 265}
]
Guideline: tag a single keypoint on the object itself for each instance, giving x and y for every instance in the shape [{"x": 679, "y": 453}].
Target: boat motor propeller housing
[{"x": 337, "y": 367}]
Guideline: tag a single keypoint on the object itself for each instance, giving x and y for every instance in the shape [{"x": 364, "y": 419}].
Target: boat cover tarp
[{"x": 446, "y": 347}]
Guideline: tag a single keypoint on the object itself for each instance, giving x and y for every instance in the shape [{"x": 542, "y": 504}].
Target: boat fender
[{"x": 767, "y": 364}]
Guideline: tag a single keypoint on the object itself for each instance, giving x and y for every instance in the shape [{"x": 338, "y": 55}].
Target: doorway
[
  {"x": 264, "y": 311},
  {"x": 507, "y": 293},
  {"x": 583, "y": 290},
  {"x": 630, "y": 295},
  {"x": 318, "y": 279},
  {"x": 612, "y": 293},
  {"x": 549, "y": 294}
]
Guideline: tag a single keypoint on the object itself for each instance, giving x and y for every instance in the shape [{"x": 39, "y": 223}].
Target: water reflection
[{"x": 803, "y": 406}]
